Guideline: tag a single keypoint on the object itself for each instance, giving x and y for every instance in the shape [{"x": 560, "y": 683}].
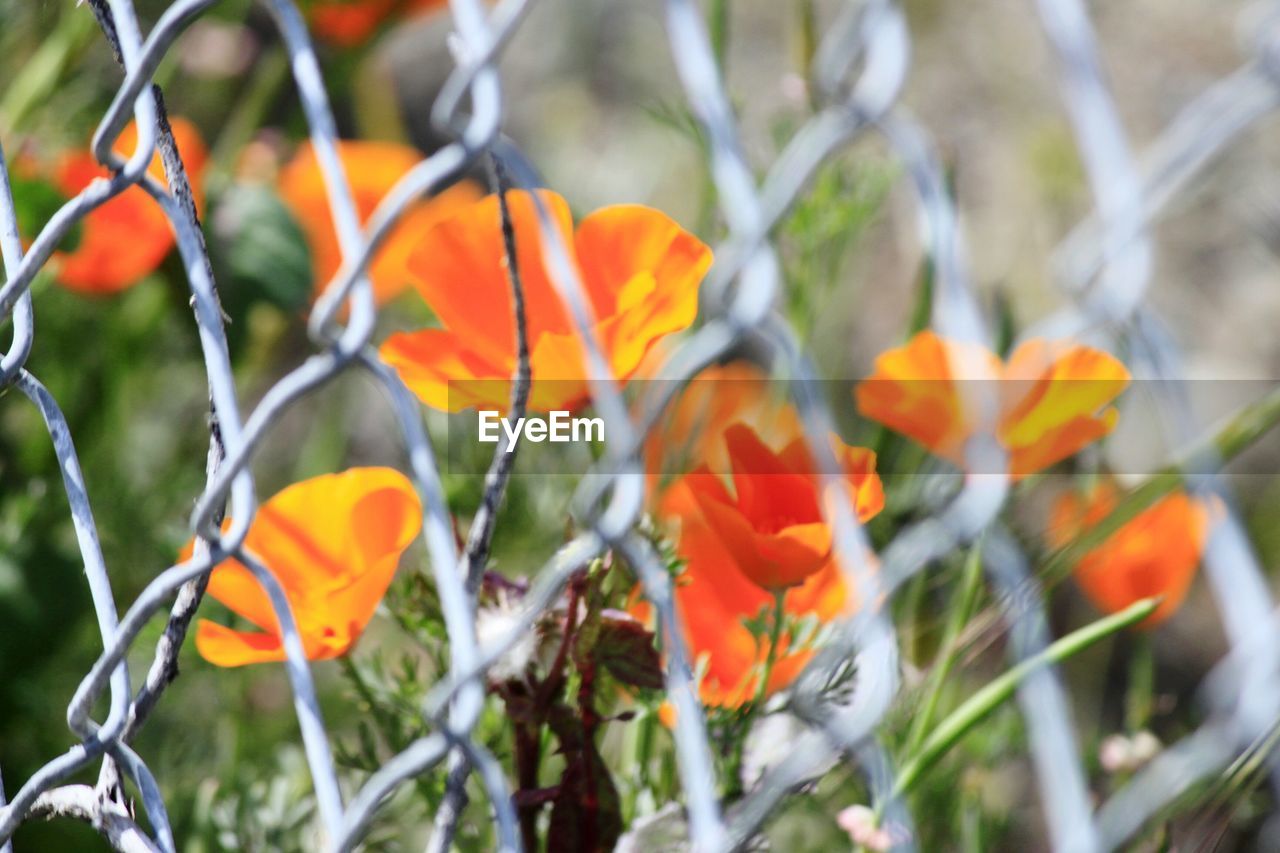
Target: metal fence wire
[{"x": 857, "y": 73}]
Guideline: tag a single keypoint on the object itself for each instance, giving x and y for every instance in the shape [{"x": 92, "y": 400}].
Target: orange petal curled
[
  {"x": 333, "y": 542},
  {"x": 714, "y": 599},
  {"x": 773, "y": 525}
]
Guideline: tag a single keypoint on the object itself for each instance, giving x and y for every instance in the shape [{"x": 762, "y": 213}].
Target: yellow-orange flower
[
  {"x": 640, "y": 269},
  {"x": 125, "y": 239},
  {"x": 1052, "y": 397},
  {"x": 346, "y": 23},
  {"x": 714, "y": 599},
  {"x": 1154, "y": 554},
  {"x": 333, "y": 542},
  {"x": 773, "y": 523},
  {"x": 372, "y": 168}
]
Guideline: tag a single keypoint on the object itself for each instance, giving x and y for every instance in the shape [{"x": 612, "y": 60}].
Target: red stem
[{"x": 527, "y": 755}]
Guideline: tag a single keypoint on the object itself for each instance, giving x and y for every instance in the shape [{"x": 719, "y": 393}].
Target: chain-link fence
[{"x": 857, "y": 72}]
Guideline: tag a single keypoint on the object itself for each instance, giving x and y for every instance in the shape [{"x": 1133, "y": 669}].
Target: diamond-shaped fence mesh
[{"x": 858, "y": 70}]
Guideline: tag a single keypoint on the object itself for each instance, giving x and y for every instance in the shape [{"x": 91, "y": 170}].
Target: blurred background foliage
[{"x": 592, "y": 102}]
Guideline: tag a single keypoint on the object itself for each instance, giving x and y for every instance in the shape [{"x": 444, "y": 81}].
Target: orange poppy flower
[
  {"x": 125, "y": 239},
  {"x": 694, "y": 425},
  {"x": 1052, "y": 397},
  {"x": 372, "y": 168},
  {"x": 714, "y": 599},
  {"x": 640, "y": 269},
  {"x": 333, "y": 542},
  {"x": 772, "y": 524},
  {"x": 347, "y": 23},
  {"x": 1154, "y": 554}
]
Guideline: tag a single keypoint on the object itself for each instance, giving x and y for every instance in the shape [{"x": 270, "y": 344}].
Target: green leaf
[
  {"x": 980, "y": 705},
  {"x": 262, "y": 249}
]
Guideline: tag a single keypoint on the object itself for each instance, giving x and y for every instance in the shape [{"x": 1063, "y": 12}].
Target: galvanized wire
[{"x": 857, "y": 74}]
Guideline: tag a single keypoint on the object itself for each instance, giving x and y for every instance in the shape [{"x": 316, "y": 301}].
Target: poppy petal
[
  {"x": 1154, "y": 554},
  {"x": 641, "y": 269},
  {"x": 859, "y": 465},
  {"x": 348, "y": 23},
  {"x": 714, "y": 599},
  {"x": 1047, "y": 387},
  {"x": 121, "y": 243},
  {"x": 459, "y": 268},
  {"x": 385, "y": 523},
  {"x": 772, "y": 561},
  {"x": 912, "y": 390},
  {"x": 333, "y": 542},
  {"x": 445, "y": 373},
  {"x": 1049, "y": 397},
  {"x": 372, "y": 169},
  {"x": 770, "y": 493},
  {"x": 390, "y": 268},
  {"x": 1060, "y": 443},
  {"x": 221, "y": 646}
]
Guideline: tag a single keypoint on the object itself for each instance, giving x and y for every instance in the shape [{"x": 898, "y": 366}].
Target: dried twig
[{"x": 476, "y": 554}]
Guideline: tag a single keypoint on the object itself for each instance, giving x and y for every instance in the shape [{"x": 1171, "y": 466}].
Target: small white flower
[
  {"x": 1120, "y": 754},
  {"x": 1115, "y": 753},
  {"x": 1145, "y": 746}
]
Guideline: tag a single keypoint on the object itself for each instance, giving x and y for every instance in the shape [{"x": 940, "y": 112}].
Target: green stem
[
  {"x": 922, "y": 309},
  {"x": 1142, "y": 672},
  {"x": 719, "y": 33},
  {"x": 971, "y": 823},
  {"x": 981, "y": 704},
  {"x": 645, "y": 730},
  {"x": 912, "y": 604},
  {"x": 808, "y": 20},
  {"x": 40, "y": 74},
  {"x": 771, "y": 656},
  {"x": 734, "y": 787},
  {"x": 970, "y": 585},
  {"x": 1245, "y": 427}
]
